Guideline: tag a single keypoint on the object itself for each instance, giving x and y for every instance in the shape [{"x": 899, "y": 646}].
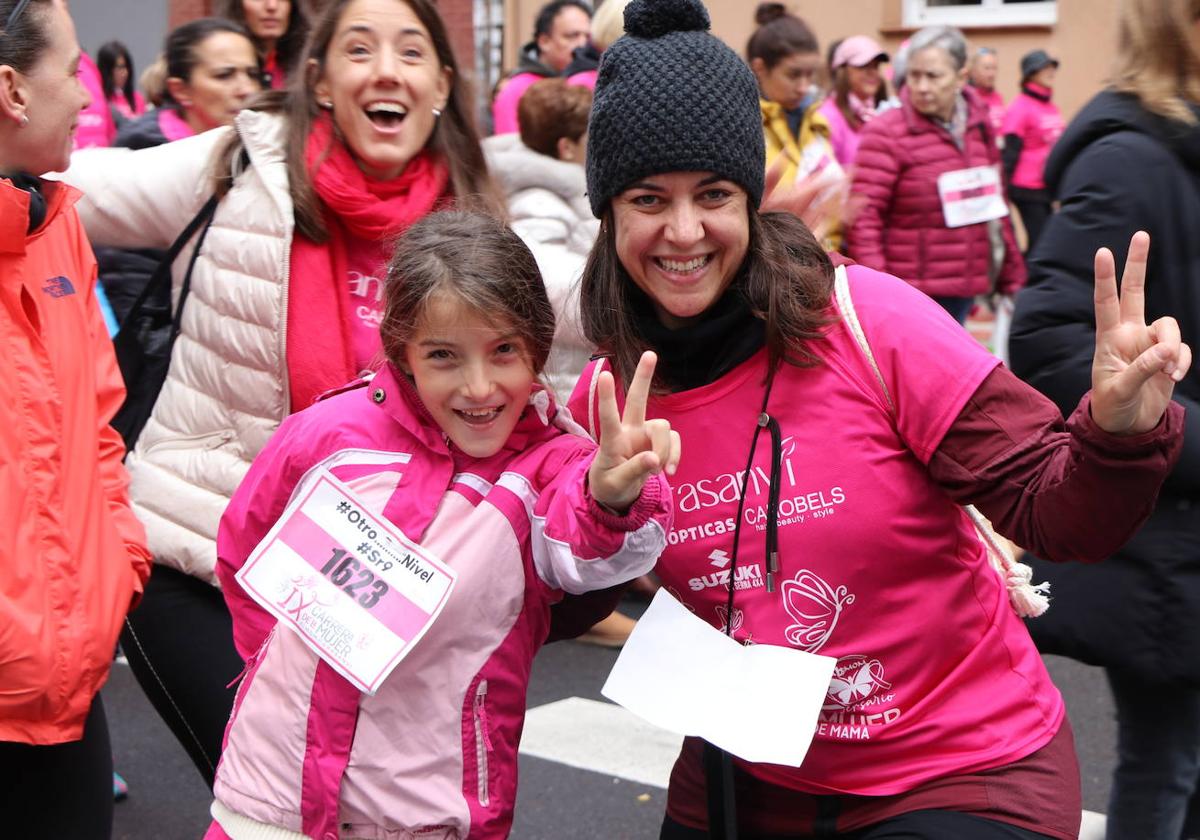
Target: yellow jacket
[{"x": 780, "y": 141}]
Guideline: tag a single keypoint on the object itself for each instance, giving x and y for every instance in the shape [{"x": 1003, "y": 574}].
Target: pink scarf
[
  {"x": 863, "y": 110},
  {"x": 319, "y": 348}
]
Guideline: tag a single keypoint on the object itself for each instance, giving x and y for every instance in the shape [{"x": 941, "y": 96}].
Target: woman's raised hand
[
  {"x": 632, "y": 448},
  {"x": 1136, "y": 366}
]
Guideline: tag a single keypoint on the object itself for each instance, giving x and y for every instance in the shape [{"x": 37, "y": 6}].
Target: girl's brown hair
[
  {"x": 454, "y": 136},
  {"x": 1157, "y": 57},
  {"x": 841, "y": 95},
  {"x": 478, "y": 261},
  {"x": 786, "y": 278},
  {"x": 779, "y": 35},
  {"x": 23, "y": 45},
  {"x": 552, "y": 109},
  {"x": 290, "y": 45}
]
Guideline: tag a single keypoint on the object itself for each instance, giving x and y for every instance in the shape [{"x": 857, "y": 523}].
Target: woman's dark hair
[
  {"x": 786, "y": 278},
  {"x": 544, "y": 22},
  {"x": 181, "y": 47},
  {"x": 779, "y": 35},
  {"x": 23, "y": 45},
  {"x": 290, "y": 45},
  {"x": 106, "y": 63},
  {"x": 550, "y": 110},
  {"x": 454, "y": 136},
  {"x": 477, "y": 260}
]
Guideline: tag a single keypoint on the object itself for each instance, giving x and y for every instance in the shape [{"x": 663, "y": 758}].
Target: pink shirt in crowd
[
  {"x": 842, "y": 135},
  {"x": 504, "y": 108},
  {"x": 995, "y": 105},
  {"x": 1038, "y": 123},
  {"x": 96, "y": 126}
]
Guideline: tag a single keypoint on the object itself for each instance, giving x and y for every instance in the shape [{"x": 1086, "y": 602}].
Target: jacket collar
[
  {"x": 917, "y": 122},
  {"x": 14, "y": 213}
]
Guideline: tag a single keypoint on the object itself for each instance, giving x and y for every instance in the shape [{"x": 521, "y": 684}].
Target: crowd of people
[{"x": 529, "y": 361}]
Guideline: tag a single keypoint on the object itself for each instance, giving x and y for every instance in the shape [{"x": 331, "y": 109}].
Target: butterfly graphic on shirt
[
  {"x": 814, "y": 607},
  {"x": 856, "y": 679},
  {"x": 723, "y": 616}
]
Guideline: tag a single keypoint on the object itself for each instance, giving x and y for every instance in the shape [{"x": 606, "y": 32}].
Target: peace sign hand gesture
[
  {"x": 632, "y": 448},
  {"x": 1136, "y": 366}
]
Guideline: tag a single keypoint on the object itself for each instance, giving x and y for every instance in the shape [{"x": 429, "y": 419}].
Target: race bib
[
  {"x": 352, "y": 585},
  {"x": 970, "y": 196}
]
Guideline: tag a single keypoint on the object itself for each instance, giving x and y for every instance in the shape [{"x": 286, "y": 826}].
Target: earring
[
  {"x": 437, "y": 112},
  {"x": 327, "y": 105},
  {"x": 24, "y": 120}
]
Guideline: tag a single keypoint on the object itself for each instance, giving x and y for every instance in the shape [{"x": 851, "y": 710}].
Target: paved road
[{"x": 587, "y": 770}]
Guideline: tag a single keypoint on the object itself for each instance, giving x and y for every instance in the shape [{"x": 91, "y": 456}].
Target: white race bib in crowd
[{"x": 970, "y": 196}]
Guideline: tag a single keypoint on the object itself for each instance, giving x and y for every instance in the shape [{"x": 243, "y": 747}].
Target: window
[{"x": 980, "y": 13}]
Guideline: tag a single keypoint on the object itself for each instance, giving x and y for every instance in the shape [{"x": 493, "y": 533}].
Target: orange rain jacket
[{"x": 72, "y": 555}]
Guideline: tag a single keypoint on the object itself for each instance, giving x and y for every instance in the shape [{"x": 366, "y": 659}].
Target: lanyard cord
[{"x": 765, "y": 421}]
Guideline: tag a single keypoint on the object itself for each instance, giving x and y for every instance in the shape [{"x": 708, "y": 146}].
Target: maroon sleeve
[{"x": 1066, "y": 491}]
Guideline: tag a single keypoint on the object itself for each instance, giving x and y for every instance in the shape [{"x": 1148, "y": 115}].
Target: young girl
[{"x": 455, "y": 444}]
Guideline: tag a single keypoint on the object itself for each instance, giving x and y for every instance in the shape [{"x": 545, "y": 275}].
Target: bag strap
[
  {"x": 1027, "y": 599},
  {"x": 162, "y": 272},
  {"x": 204, "y": 221}
]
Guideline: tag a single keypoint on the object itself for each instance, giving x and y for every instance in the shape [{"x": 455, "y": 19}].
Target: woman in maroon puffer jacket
[{"x": 930, "y": 205}]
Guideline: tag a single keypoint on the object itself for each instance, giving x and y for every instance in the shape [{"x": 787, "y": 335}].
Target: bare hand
[
  {"x": 816, "y": 200},
  {"x": 632, "y": 448},
  {"x": 1136, "y": 366}
]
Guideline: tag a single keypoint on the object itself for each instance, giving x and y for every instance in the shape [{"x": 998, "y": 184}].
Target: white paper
[
  {"x": 971, "y": 196},
  {"x": 758, "y": 702}
]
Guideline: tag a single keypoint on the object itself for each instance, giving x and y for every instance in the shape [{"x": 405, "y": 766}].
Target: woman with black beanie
[{"x": 841, "y": 526}]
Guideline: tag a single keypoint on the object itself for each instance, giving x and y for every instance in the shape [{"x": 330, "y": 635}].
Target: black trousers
[
  {"x": 61, "y": 790},
  {"x": 179, "y": 643},
  {"x": 915, "y": 825},
  {"x": 1035, "y": 208}
]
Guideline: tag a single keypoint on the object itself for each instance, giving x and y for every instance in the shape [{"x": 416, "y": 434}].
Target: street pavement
[{"x": 589, "y": 770}]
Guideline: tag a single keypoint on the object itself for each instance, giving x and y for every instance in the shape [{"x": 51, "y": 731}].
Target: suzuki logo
[{"x": 719, "y": 559}]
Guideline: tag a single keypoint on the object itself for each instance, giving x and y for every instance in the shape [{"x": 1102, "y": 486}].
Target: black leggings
[
  {"x": 915, "y": 825},
  {"x": 179, "y": 643},
  {"x": 61, "y": 790}
]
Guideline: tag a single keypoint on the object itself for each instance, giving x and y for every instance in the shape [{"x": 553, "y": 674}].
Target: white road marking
[
  {"x": 606, "y": 739},
  {"x": 600, "y": 737}
]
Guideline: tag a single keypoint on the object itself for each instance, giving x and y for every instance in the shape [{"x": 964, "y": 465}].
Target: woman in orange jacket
[{"x": 72, "y": 555}]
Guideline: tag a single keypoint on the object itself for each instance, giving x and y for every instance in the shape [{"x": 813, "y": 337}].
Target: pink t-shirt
[
  {"x": 366, "y": 264},
  {"x": 842, "y": 135},
  {"x": 878, "y": 567},
  {"x": 1039, "y": 125},
  {"x": 995, "y": 105}
]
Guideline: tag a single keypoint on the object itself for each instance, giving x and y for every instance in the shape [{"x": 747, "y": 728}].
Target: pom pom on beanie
[
  {"x": 670, "y": 97},
  {"x": 655, "y": 19}
]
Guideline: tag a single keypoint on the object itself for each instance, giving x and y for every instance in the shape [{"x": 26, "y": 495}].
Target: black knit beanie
[{"x": 670, "y": 97}]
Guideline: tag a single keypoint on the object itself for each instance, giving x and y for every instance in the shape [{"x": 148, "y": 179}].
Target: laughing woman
[
  {"x": 285, "y": 299},
  {"x": 958, "y": 731}
]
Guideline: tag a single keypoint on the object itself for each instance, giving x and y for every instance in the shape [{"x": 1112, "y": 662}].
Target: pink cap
[{"x": 857, "y": 51}]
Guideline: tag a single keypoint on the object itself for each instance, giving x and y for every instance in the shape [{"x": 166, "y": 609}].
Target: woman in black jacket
[{"x": 1131, "y": 160}]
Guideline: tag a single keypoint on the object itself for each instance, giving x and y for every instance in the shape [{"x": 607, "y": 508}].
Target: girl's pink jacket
[{"x": 434, "y": 752}]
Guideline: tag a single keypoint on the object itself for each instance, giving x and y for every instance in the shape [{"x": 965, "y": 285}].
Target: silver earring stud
[
  {"x": 327, "y": 105},
  {"x": 437, "y": 112},
  {"x": 24, "y": 120}
]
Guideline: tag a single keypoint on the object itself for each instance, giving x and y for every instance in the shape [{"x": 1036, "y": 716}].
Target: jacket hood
[
  {"x": 517, "y": 167},
  {"x": 141, "y": 132},
  {"x": 1110, "y": 112},
  {"x": 530, "y": 63},
  {"x": 583, "y": 59}
]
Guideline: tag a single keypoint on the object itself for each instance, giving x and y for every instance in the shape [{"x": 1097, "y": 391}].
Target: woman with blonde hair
[{"x": 1130, "y": 161}]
